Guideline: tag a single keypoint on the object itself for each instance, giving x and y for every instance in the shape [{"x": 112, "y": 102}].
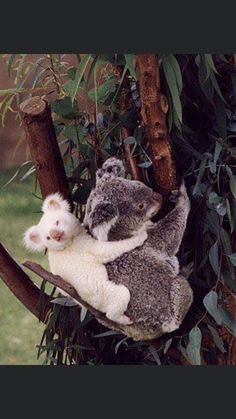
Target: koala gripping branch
[
  {"x": 153, "y": 113},
  {"x": 45, "y": 153}
]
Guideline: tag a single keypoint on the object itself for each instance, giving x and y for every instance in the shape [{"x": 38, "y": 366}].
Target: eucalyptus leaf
[
  {"x": 194, "y": 346},
  {"x": 173, "y": 85},
  {"x": 83, "y": 313},
  {"x": 232, "y": 184},
  {"x": 64, "y": 107},
  {"x": 130, "y": 63},
  {"x": 214, "y": 257},
  {"x": 210, "y": 301},
  {"x": 232, "y": 258},
  {"x": 145, "y": 165},
  {"x": 130, "y": 140},
  {"x": 79, "y": 75},
  {"x": 217, "y": 339}
]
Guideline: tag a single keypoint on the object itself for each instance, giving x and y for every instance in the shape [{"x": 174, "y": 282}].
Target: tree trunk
[
  {"x": 153, "y": 114},
  {"x": 44, "y": 148},
  {"x": 22, "y": 286}
]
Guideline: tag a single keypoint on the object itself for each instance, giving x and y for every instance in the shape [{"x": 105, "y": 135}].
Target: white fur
[
  {"x": 102, "y": 230},
  {"x": 54, "y": 202},
  {"x": 78, "y": 258}
]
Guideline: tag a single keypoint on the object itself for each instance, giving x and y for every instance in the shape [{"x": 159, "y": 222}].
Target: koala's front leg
[
  {"x": 109, "y": 251},
  {"x": 166, "y": 235}
]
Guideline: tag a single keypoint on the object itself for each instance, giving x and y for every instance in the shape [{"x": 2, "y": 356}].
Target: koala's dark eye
[
  {"x": 57, "y": 223},
  {"x": 48, "y": 238},
  {"x": 141, "y": 206}
]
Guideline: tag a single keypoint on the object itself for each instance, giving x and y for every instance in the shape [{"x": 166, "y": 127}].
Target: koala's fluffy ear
[
  {"x": 101, "y": 219},
  {"x": 55, "y": 202},
  {"x": 112, "y": 167},
  {"x": 32, "y": 240}
]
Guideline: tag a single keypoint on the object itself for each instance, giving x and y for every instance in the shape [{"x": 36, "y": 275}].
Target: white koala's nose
[{"x": 56, "y": 234}]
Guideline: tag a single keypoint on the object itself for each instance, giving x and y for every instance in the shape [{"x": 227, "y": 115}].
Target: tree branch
[
  {"x": 125, "y": 105},
  {"x": 153, "y": 114},
  {"x": 21, "y": 285},
  {"x": 45, "y": 153},
  {"x": 131, "y": 331}
]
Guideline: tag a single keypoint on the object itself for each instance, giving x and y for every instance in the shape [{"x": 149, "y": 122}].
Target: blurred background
[{"x": 20, "y": 331}]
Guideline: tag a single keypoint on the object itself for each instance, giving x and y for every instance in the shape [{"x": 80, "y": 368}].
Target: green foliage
[{"x": 201, "y": 91}]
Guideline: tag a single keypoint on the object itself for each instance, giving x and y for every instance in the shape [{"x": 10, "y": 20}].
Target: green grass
[{"x": 20, "y": 331}]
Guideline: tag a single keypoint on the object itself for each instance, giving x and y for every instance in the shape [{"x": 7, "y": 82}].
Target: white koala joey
[{"x": 79, "y": 258}]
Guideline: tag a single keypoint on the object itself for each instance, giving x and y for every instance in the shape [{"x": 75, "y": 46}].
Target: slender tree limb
[
  {"x": 153, "y": 114},
  {"x": 59, "y": 282},
  {"x": 131, "y": 331},
  {"x": 125, "y": 105},
  {"x": 21, "y": 285},
  {"x": 45, "y": 153}
]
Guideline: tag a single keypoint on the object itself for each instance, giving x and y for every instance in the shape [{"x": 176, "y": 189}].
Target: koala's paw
[
  {"x": 187, "y": 270},
  {"x": 141, "y": 237},
  {"x": 180, "y": 197},
  {"x": 125, "y": 320},
  {"x": 175, "y": 194}
]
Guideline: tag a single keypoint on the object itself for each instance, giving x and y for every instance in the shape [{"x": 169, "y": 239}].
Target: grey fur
[{"x": 160, "y": 293}]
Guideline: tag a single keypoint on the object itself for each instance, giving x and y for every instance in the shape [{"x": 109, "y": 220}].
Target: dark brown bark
[
  {"x": 22, "y": 286},
  {"x": 44, "y": 148},
  {"x": 153, "y": 115}
]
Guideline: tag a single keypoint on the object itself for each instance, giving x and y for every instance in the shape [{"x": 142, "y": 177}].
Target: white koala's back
[{"x": 82, "y": 270}]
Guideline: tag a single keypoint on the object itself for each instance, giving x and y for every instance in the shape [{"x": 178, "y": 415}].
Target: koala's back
[{"x": 148, "y": 280}]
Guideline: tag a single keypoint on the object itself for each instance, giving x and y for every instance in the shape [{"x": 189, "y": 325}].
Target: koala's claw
[{"x": 175, "y": 194}]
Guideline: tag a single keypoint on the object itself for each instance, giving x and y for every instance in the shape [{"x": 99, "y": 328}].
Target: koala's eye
[
  {"x": 48, "y": 238},
  {"x": 57, "y": 223},
  {"x": 141, "y": 206}
]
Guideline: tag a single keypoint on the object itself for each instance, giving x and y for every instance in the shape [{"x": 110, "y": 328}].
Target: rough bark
[
  {"x": 22, "y": 286},
  {"x": 153, "y": 115},
  {"x": 44, "y": 148}
]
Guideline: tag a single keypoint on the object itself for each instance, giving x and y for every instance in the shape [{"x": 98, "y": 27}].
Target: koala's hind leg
[
  {"x": 181, "y": 298},
  {"x": 117, "y": 302}
]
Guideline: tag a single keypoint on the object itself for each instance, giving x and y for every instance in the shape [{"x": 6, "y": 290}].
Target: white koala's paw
[{"x": 124, "y": 320}]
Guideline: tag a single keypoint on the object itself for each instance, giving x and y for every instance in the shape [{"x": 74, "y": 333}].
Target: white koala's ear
[
  {"x": 32, "y": 240},
  {"x": 112, "y": 167},
  {"x": 55, "y": 202}
]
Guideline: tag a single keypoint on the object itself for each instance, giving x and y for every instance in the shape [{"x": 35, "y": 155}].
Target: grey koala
[{"x": 160, "y": 293}]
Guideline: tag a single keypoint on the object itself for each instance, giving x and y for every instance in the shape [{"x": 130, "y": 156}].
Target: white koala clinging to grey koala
[
  {"x": 79, "y": 259},
  {"x": 118, "y": 208}
]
